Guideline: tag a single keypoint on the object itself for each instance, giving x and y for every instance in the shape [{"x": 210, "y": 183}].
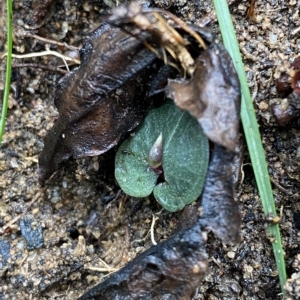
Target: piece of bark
[
  {"x": 212, "y": 96},
  {"x": 100, "y": 100}
]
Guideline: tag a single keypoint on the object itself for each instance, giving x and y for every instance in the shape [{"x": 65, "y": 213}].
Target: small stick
[
  {"x": 154, "y": 219},
  {"x": 38, "y": 66},
  {"x": 37, "y": 37},
  {"x": 43, "y": 53},
  {"x": 143, "y": 239},
  {"x": 105, "y": 264},
  {"x": 276, "y": 183},
  {"x": 110, "y": 270}
]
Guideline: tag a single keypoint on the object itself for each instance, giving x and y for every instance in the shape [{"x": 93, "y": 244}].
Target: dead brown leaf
[
  {"x": 220, "y": 211},
  {"x": 100, "y": 100},
  {"x": 172, "y": 270},
  {"x": 212, "y": 96}
]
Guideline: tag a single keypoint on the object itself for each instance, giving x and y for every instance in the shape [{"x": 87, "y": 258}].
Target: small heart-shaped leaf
[{"x": 185, "y": 156}]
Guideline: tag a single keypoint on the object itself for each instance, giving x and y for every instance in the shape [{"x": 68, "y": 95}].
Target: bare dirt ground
[{"x": 85, "y": 239}]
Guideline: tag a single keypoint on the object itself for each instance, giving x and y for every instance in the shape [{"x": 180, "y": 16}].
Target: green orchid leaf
[{"x": 185, "y": 156}]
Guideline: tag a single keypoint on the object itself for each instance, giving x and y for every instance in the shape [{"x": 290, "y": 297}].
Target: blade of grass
[
  {"x": 8, "y": 68},
  {"x": 252, "y": 134}
]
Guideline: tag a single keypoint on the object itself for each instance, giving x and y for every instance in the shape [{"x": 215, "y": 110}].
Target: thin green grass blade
[
  {"x": 252, "y": 134},
  {"x": 8, "y": 68}
]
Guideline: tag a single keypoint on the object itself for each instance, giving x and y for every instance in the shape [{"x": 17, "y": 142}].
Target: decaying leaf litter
[
  {"x": 216, "y": 287},
  {"x": 155, "y": 273}
]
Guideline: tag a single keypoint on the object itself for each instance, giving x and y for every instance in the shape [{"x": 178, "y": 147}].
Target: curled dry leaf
[
  {"x": 220, "y": 210},
  {"x": 100, "y": 100},
  {"x": 176, "y": 38},
  {"x": 158, "y": 29},
  {"x": 212, "y": 96},
  {"x": 172, "y": 270}
]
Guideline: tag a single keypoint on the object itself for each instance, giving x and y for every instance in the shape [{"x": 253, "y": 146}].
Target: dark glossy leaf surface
[
  {"x": 100, "y": 100},
  {"x": 212, "y": 96},
  {"x": 172, "y": 270},
  {"x": 220, "y": 210}
]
